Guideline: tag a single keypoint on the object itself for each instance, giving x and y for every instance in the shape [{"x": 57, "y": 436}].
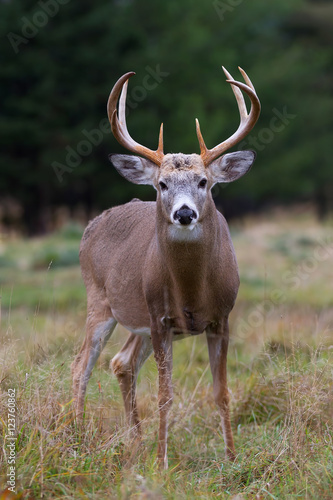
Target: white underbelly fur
[{"x": 145, "y": 332}]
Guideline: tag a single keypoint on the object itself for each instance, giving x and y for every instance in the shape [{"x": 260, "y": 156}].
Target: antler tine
[
  {"x": 122, "y": 111},
  {"x": 160, "y": 141},
  {"x": 246, "y": 78},
  {"x": 203, "y": 147},
  {"x": 247, "y": 121},
  {"x": 239, "y": 96},
  {"x": 114, "y": 94},
  {"x": 119, "y": 126}
]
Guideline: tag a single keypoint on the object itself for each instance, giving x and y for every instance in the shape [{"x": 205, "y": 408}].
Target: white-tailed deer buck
[{"x": 163, "y": 269}]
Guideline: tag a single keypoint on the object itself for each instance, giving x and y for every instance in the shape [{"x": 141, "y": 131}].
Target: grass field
[{"x": 280, "y": 379}]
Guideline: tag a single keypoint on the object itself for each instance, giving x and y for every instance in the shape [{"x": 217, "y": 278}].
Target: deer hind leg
[
  {"x": 217, "y": 340},
  {"x": 99, "y": 327},
  {"x": 126, "y": 366}
]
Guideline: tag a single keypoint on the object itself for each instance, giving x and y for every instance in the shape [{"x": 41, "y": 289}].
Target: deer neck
[{"x": 187, "y": 256}]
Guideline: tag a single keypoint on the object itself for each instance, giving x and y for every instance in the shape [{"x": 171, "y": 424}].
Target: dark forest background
[{"x": 60, "y": 59}]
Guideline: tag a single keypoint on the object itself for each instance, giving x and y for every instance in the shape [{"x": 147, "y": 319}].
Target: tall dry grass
[{"x": 280, "y": 378}]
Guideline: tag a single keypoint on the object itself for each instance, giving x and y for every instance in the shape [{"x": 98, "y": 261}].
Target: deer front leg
[
  {"x": 218, "y": 340},
  {"x": 162, "y": 345}
]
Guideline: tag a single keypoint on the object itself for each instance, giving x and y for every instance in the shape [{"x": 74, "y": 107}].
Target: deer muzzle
[{"x": 184, "y": 215}]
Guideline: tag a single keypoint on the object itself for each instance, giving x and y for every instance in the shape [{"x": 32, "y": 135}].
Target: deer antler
[
  {"x": 119, "y": 127},
  {"x": 247, "y": 122}
]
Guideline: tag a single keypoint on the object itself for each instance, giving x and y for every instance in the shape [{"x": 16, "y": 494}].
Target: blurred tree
[
  {"x": 61, "y": 58},
  {"x": 311, "y": 29}
]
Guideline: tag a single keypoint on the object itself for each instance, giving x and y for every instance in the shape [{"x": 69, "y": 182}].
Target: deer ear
[
  {"x": 134, "y": 169},
  {"x": 231, "y": 166}
]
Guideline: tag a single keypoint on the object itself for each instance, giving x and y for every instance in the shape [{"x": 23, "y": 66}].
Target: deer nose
[{"x": 184, "y": 215}]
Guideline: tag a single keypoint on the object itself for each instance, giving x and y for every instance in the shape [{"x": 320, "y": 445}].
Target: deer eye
[
  {"x": 163, "y": 186},
  {"x": 202, "y": 183}
]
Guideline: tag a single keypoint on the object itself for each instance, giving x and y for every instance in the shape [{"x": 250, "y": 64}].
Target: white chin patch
[
  {"x": 185, "y": 227},
  {"x": 191, "y": 232}
]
